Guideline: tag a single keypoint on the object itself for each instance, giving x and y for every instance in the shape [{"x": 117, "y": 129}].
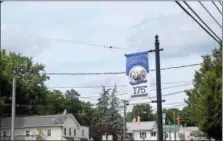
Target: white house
[
  {"x": 50, "y": 127},
  {"x": 142, "y": 130},
  {"x": 193, "y": 133}
]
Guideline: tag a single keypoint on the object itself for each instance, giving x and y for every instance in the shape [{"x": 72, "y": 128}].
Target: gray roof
[
  {"x": 192, "y": 128},
  {"x": 132, "y": 126},
  {"x": 35, "y": 121}
]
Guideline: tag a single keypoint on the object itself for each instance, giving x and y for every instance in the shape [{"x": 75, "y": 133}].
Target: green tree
[
  {"x": 205, "y": 99},
  {"x": 169, "y": 120},
  {"x": 30, "y": 82},
  {"x": 114, "y": 118},
  {"x": 102, "y": 105},
  {"x": 143, "y": 110}
]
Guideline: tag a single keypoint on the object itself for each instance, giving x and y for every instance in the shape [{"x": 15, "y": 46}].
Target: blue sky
[{"x": 28, "y": 28}]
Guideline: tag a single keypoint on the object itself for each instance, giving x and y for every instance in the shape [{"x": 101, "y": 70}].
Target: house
[
  {"x": 49, "y": 127},
  {"x": 171, "y": 132},
  {"x": 193, "y": 133},
  {"x": 141, "y": 130}
]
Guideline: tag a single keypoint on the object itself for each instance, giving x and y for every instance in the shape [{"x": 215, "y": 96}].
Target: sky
[{"x": 42, "y": 30}]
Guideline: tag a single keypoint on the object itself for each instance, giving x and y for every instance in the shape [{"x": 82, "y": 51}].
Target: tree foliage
[
  {"x": 32, "y": 95},
  {"x": 205, "y": 99},
  {"x": 143, "y": 110}
]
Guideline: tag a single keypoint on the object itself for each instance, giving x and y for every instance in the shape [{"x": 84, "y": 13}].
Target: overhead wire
[
  {"x": 201, "y": 20},
  {"x": 210, "y": 14},
  {"x": 217, "y": 7},
  {"x": 112, "y": 73},
  {"x": 109, "y": 86},
  {"x": 198, "y": 22},
  {"x": 86, "y": 43}
]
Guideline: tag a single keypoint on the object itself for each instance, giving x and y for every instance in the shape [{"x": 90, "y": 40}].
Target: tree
[
  {"x": 205, "y": 99},
  {"x": 143, "y": 110},
  {"x": 30, "y": 82},
  {"x": 102, "y": 105},
  {"x": 169, "y": 120},
  {"x": 115, "y": 118}
]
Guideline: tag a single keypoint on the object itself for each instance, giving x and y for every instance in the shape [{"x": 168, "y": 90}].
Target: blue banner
[{"x": 137, "y": 69}]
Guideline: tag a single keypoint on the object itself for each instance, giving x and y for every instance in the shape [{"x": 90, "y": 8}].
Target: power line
[
  {"x": 24, "y": 105},
  {"x": 198, "y": 22},
  {"x": 113, "y": 73},
  {"x": 217, "y": 7},
  {"x": 92, "y": 87},
  {"x": 86, "y": 43},
  {"x": 220, "y": 3},
  {"x": 201, "y": 20},
  {"x": 210, "y": 14}
]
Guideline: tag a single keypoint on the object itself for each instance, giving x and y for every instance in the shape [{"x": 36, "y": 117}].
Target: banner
[{"x": 137, "y": 69}]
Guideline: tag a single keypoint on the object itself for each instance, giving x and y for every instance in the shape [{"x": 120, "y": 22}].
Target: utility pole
[
  {"x": 174, "y": 121},
  {"x": 124, "y": 119},
  {"x": 158, "y": 90},
  {"x": 13, "y": 108}
]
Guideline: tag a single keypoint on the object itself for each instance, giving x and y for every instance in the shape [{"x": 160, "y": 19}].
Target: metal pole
[
  {"x": 174, "y": 121},
  {"x": 13, "y": 109},
  {"x": 158, "y": 90},
  {"x": 124, "y": 121}
]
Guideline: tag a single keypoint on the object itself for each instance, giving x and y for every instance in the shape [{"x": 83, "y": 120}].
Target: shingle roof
[
  {"x": 131, "y": 126},
  {"x": 34, "y": 121}
]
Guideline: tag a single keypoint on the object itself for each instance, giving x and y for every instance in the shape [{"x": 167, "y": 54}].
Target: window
[
  {"x": 142, "y": 135},
  {"x": 49, "y": 132},
  {"x": 27, "y": 133},
  {"x": 70, "y": 131},
  {"x": 82, "y": 133},
  {"x": 74, "y": 132},
  {"x": 4, "y": 134},
  {"x": 153, "y": 134},
  {"x": 64, "y": 130}
]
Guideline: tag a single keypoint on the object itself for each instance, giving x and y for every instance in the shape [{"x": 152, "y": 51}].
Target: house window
[
  {"x": 4, "y": 134},
  {"x": 64, "y": 130},
  {"x": 70, "y": 131},
  {"x": 74, "y": 132},
  {"x": 142, "y": 135},
  {"x": 27, "y": 133},
  {"x": 49, "y": 132},
  {"x": 153, "y": 134},
  {"x": 82, "y": 133}
]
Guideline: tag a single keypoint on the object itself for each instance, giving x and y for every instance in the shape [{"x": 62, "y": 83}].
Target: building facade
[
  {"x": 141, "y": 130},
  {"x": 50, "y": 127}
]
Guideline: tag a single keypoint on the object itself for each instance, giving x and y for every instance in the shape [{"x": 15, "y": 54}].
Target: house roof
[
  {"x": 171, "y": 128},
  {"x": 36, "y": 121},
  {"x": 192, "y": 128},
  {"x": 132, "y": 126}
]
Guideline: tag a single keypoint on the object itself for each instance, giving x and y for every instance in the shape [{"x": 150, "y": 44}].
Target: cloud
[{"x": 17, "y": 40}]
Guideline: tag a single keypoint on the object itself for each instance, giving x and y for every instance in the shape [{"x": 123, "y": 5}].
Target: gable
[{"x": 71, "y": 121}]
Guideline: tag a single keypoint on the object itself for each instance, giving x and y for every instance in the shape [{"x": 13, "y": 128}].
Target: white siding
[{"x": 136, "y": 135}]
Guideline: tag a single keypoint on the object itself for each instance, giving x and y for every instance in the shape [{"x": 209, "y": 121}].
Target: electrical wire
[
  {"x": 210, "y": 14},
  {"x": 93, "y": 87},
  {"x": 198, "y": 22},
  {"x": 23, "y": 105},
  {"x": 220, "y": 3},
  {"x": 202, "y": 20},
  {"x": 90, "y": 97},
  {"x": 86, "y": 43},
  {"x": 217, "y": 7},
  {"x": 117, "y": 73}
]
